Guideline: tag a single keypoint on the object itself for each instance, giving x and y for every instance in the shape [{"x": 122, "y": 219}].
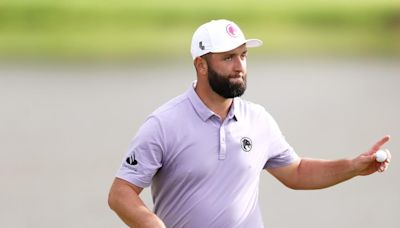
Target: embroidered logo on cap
[
  {"x": 232, "y": 30},
  {"x": 201, "y": 46},
  {"x": 246, "y": 144}
]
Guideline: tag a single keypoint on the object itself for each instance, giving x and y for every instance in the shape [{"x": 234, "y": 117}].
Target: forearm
[
  {"x": 317, "y": 174},
  {"x": 309, "y": 173},
  {"x": 131, "y": 209}
]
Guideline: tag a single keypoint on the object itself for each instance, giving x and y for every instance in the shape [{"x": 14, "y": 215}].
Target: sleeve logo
[{"x": 131, "y": 160}]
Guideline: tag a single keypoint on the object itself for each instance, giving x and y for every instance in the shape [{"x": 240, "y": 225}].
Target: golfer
[{"x": 203, "y": 152}]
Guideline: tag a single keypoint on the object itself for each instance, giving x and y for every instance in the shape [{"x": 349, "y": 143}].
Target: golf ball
[{"x": 381, "y": 156}]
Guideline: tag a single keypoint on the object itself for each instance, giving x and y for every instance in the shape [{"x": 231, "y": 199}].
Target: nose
[{"x": 240, "y": 65}]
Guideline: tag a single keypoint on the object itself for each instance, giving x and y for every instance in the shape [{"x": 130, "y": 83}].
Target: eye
[
  {"x": 228, "y": 58},
  {"x": 244, "y": 55}
]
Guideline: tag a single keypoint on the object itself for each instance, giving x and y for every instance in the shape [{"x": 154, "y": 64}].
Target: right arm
[{"x": 125, "y": 201}]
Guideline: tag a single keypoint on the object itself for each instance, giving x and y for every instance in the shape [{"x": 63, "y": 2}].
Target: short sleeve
[
  {"x": 280, "y": 153},
  {"x": 283, "y": 158},
  {"x": 144, "y": 156}
]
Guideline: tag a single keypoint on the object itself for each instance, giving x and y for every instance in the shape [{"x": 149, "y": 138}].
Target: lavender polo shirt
[{"x": 204, "y": 172}]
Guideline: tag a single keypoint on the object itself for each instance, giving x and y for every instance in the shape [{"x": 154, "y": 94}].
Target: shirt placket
[{"x": 222, "y": 143}]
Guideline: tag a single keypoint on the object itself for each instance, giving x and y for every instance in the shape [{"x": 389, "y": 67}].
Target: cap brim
[
  {"x": 249, "y": 43},
  {"x": 253, "y": 43}
]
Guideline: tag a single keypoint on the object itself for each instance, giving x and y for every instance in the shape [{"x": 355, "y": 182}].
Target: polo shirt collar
[
  {"x": 203, "y": 111},
  {"x": 234, "y": 112}
]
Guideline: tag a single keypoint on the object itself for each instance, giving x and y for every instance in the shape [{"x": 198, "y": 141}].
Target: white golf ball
[{"x": 381, "y": 156}]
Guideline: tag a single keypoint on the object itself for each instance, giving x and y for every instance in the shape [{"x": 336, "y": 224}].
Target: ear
[{"x": 201, "y": 65}]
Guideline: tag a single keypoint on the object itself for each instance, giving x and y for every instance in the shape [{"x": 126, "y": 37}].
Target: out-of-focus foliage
[{"x": 136, "y": 29}]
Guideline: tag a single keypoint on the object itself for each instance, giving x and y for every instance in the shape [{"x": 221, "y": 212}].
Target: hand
[{"x": 365, "y": 164}]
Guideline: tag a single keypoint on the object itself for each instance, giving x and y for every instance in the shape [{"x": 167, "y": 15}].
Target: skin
[
  {"x": 309, "y": 173},
  {"x": 232, "y": 63},
  {"x": 125, "y": 201},
  {"x": 305, "y": 173}
]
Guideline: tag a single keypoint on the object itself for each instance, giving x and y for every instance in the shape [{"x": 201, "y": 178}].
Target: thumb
[
  {"x": 367, "y": 157},
  {"x": 373, "y": 157},
  {"x": 370, "y": 157}
]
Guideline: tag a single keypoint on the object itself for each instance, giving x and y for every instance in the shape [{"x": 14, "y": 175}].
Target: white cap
[{"x": 219, "y": 36}]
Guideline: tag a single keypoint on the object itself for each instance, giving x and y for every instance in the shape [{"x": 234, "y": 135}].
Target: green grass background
[{"x": 150, "y": 28}]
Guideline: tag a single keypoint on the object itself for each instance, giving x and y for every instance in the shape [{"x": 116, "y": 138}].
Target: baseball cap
[{"x": 219, "y": 36}]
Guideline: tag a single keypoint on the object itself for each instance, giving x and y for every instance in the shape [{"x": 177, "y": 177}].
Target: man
[{"x": 204, "y": 151}]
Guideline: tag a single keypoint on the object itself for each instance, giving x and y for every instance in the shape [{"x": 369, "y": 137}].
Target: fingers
[
  {"x": 368, "y": 159},
  {"x": 389, "y": 155},
  {"x": 380, "y": 143},
  {"x": 384, "y": 165}
]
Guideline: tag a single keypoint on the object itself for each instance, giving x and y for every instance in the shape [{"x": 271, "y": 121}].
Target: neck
[{"x": 219, "y": 105}]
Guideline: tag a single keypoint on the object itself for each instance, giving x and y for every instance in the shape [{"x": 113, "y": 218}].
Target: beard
[{"x": 222, "y": 85}]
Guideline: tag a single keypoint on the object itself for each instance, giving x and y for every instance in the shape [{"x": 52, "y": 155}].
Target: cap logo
[
  {"x": 232, "y": 30},
  {"x": 201, "y": 46}
]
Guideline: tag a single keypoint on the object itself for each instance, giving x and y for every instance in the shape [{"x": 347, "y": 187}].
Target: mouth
[{"x": 236, "y": 78}]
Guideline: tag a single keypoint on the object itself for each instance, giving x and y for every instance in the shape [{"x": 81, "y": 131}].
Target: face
[{"x": 227, "y": 72}]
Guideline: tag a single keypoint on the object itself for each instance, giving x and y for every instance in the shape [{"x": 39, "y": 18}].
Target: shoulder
[
  {"x": 172, "y": 112},
  {"x": 163, "y": 119},
  {"x": 173, "y": 105}
]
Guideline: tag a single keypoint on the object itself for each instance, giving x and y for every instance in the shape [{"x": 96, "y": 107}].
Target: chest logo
[{"x": 246, "y": 144}]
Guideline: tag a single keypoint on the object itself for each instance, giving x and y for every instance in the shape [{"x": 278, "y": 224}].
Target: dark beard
[{"x": 221, "y": 85}]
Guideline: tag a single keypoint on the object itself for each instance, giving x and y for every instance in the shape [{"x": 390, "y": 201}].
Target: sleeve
[
  {"x": 280, "y": 153},
  {"x": 144, "y": 156}
]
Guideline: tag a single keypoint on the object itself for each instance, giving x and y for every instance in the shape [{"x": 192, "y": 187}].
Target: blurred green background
[{"x": 147, "y": 29}]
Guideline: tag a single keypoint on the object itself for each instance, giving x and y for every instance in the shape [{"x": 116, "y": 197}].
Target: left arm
[{"x": 316, "y": 173}]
